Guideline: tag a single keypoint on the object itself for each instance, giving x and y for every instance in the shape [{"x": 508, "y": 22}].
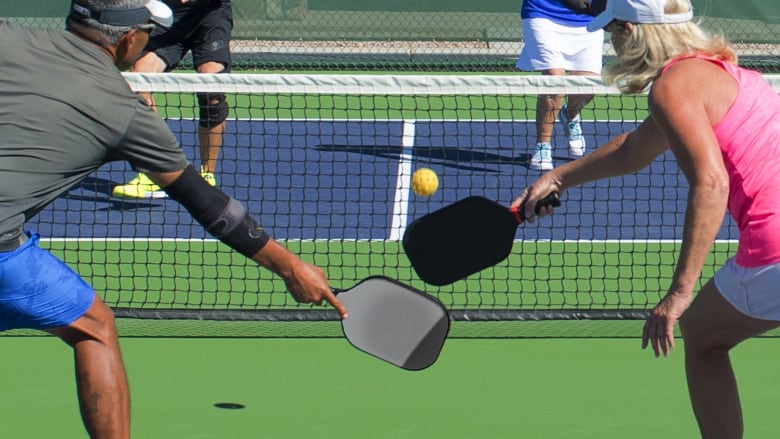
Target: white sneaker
[
  {"x": 573, "y": 131},
  {"x": 541, "y": 160}
]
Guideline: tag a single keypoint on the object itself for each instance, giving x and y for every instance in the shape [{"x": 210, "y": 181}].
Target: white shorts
[
  {"x": 754, "y": 291},
  {"x": 549, "y": 45}
]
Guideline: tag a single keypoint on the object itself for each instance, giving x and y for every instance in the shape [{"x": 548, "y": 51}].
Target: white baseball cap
[{"x": 637, "y": 11}]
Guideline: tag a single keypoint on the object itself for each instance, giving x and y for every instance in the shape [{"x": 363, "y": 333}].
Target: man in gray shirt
[{"x": 68, "y": 86}]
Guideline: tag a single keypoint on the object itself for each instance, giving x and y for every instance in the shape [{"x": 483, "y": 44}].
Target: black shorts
[{"x": 206, "y": 32}]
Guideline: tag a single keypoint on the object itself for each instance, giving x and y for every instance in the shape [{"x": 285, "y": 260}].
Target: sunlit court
[{"x": 544, "y": 344}]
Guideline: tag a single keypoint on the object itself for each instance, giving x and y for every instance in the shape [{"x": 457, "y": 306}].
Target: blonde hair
[{"x": 646, "y": 49}]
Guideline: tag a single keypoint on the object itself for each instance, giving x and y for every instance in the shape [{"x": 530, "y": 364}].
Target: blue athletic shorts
[{"x": 39, "y": 291}]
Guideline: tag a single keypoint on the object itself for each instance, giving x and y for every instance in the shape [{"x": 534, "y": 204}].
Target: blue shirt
[{"x": 553, "y": 10}]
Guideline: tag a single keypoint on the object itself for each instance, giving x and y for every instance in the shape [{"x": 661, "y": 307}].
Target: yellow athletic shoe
[
  {"x": 209, "y": 177},
  {"x": 139, "y": 187}
]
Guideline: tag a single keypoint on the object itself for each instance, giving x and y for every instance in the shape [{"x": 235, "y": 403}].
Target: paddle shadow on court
[{"x": 460, "y": 158}]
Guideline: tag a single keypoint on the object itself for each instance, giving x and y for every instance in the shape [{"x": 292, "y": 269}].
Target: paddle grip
[{"x": 553, "y": 200}]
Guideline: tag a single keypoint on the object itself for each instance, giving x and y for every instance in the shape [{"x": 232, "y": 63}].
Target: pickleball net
[{"x": 325, "y": 162}]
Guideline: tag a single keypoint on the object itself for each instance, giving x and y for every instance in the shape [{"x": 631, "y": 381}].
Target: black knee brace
[{"x": 213, "y": 109}]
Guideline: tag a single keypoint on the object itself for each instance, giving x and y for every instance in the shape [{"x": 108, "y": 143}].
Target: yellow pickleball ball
[{"x": 424, "y": 182}]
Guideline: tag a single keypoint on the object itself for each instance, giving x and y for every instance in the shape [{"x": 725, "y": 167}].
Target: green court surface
[
  {"x": 428, "y": 107},
  {"x": 161, "y": 275},
  {"x": 295, "y": 388}
]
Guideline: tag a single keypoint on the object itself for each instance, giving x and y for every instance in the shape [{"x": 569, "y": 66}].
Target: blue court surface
[{"x": 349, "y": 180}]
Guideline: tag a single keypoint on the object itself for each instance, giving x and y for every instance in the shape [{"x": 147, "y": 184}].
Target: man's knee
[
  {"x": 213, "y": 109},
  {"x": 149, "y": 62},
  {"x": 96, "y": 324}
]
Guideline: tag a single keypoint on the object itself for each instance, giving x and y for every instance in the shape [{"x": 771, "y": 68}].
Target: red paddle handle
[{"x": 553, "y": 200}]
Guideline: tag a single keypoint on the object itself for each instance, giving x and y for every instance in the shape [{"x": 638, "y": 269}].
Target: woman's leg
[{"x": 710, "y": 328}]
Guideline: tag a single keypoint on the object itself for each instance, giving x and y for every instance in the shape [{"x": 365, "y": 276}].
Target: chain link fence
[{"x": 416, "y": 35}]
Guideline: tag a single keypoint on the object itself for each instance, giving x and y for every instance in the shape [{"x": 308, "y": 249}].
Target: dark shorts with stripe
[{"x": 206, "y": 32}]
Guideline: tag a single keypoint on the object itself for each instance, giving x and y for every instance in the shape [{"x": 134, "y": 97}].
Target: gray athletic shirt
[{"x": 65, "y": 110}]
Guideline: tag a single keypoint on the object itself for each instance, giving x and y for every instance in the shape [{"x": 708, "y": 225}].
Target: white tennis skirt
[
  {"x": 549, "y": 45},
  {"x": 754, "y": 291}
]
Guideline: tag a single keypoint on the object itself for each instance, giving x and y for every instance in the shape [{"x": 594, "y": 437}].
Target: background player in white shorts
[{"x": 557, "y": 42}]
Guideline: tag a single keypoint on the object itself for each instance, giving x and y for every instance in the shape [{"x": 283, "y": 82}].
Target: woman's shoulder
[
  {"x": 693, "y": 84},
  {"x": 692, "y": 73}
]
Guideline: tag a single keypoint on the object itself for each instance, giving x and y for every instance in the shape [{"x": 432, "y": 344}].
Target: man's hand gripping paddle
[{"x": 394, "y": 322}]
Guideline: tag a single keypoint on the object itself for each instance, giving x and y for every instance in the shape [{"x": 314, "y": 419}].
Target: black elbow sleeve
[{"x": 223, "y": 217}]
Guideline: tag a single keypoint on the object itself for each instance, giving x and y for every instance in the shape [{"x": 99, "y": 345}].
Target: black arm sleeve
[{"x": 222, "y": 216}]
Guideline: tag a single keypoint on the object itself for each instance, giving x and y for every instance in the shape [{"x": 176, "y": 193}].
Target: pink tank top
[{"x": 749, "y": 138}]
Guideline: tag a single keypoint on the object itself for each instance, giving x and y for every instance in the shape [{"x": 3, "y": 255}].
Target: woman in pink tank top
[{"x": 722, "y": 123}]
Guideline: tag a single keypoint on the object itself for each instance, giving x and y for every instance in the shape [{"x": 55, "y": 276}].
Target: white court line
[{"x": 403, "y": 183}]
